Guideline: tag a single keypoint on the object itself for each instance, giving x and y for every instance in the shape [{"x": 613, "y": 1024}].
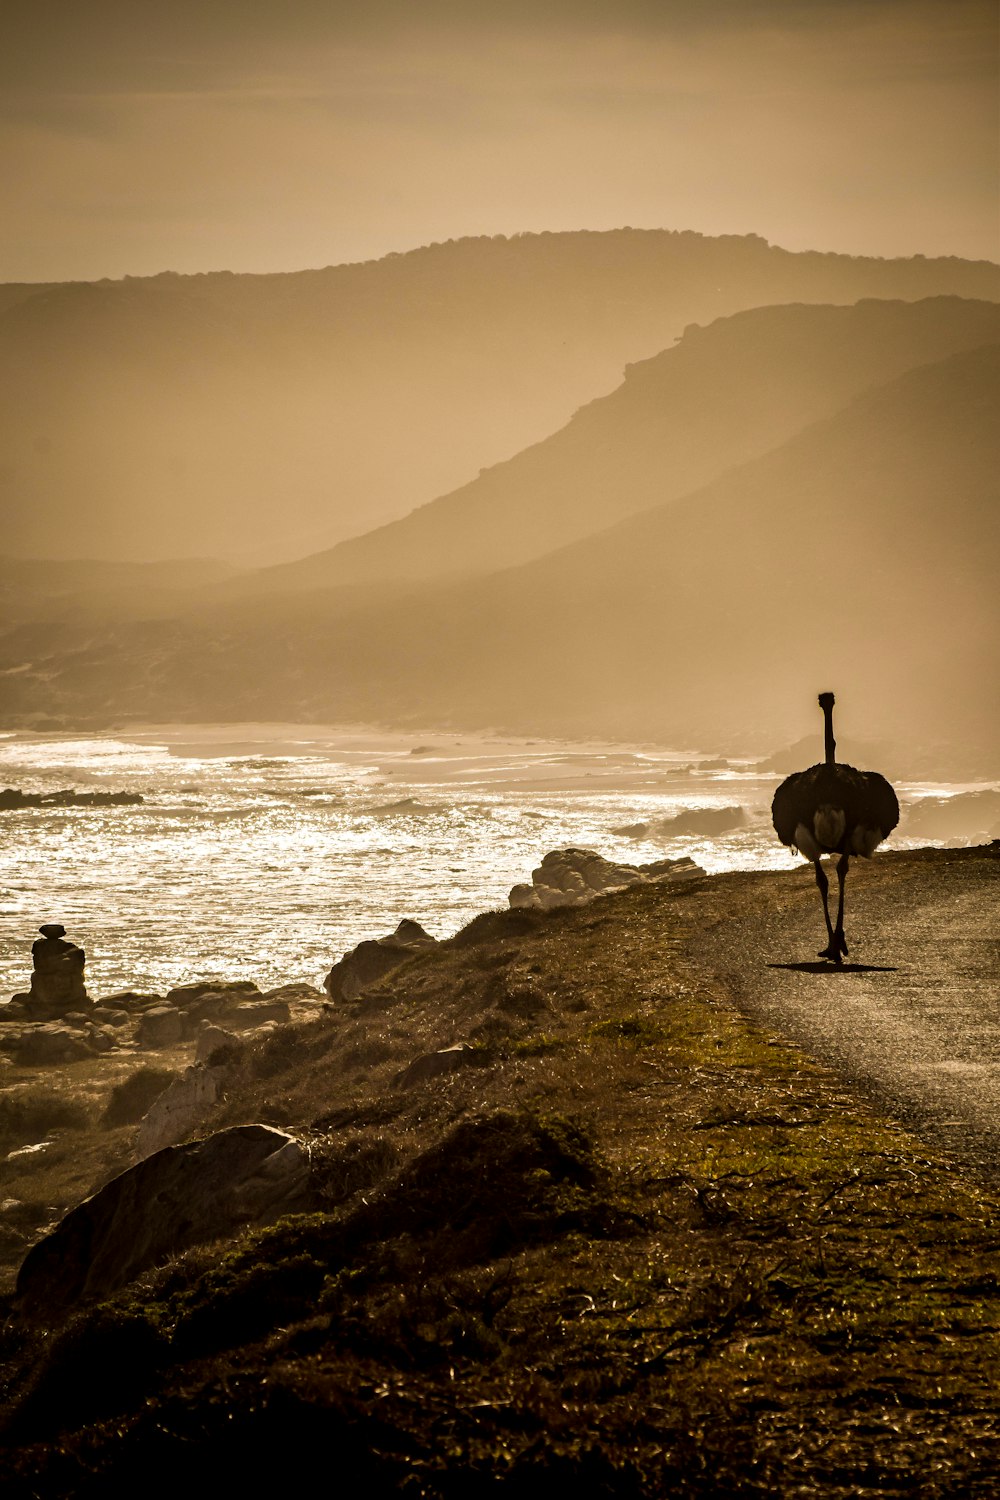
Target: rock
[
  {"x": 14, "y": 1010},
  {"x": 163, "y": 1026},
  {"x": 57, "y": 983},
  {"x": 178, "y": 1197},
  {"x": 50, "y": 1044},
  {"x": 210, "y": 1007},
  {"x": 370, "y": 961},
  {"x": 238, "y": 1008},
  {"x": 693, "y": 821},
  {"x": 11, "y": 798},
  {"x": 108, "y": 1017},
  {"x": 181, "y": 1106},
  {"x": 129, "y": 1000},
  {"x": 967, "y": 817},
  {"x": 297, "y": 990},
  {"x": 437, "y": 1064},
  {"x": 101, "y": 1038},
  {"x": 186, "y": 995},
  {"x": 210, "y": 1039},
  {"x": 258, "y": 1013},
  {"x": 571, "y": 877}
]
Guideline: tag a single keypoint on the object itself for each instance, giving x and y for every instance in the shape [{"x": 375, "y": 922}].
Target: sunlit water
[{"x": 264, "y": 852}]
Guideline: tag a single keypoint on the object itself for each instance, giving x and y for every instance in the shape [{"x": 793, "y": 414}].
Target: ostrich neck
[{"x": 831, "y": 743}]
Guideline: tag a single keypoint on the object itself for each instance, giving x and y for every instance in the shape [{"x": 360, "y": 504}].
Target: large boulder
[
  {"x": 181, "y": 1196},
  {"x": 572, "y": 877},
  {"x": 162, "y": 1026},
  {"x": 370, "y": 961}
]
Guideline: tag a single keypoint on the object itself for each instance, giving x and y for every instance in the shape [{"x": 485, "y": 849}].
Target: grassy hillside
[
  {"x": 634, "y": 1246},
  {"x": 271, "y": 416}
]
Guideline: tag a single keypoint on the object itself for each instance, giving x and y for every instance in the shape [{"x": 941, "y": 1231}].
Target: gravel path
[{"x": 914, "y": 1016}]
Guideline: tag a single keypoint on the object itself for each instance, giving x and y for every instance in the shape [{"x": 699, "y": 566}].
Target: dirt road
[{"x": 914, "y": 1016}]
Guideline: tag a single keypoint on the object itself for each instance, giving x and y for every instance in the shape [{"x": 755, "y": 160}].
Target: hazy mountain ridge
[
  {"x": 862, "y": 552},
  {"x": 274, "y": 414},
  {"x": 720, "y": 396}
]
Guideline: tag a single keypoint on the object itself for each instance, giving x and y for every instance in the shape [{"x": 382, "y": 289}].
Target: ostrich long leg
[
  {"x": 838, "y": 936},
  {"x": 824, "y": 888}
]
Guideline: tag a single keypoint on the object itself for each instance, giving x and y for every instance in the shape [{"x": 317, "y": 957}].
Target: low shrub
[
  {"x": 29, "y": 1116},
  {"x": 131, "y": 1098}
]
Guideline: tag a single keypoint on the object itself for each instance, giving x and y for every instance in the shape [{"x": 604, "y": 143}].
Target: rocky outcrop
[
  {"x": 238, "y": 1005},
  {"x": 571, "y": 877},
  {"x": 181, "y": 1106},
  {"x": 129, "y": 1001},
  {"x": 184, "y": 996},
  {"x": 967, "y": 817},
  {"x": 11, "y": 799},
  {"x": 181, "y": 1196},
  {"x": 40, "y": 1036},
  {"x": 693, "y": 821},
  {"x": 49, "y": 1044},
  {"x": 247, "y": 1016},
  {"x": 370, "y": 961}
]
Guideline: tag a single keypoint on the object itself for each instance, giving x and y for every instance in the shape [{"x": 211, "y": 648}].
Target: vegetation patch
[
  {"x": 639, "y": 1031},
  {"x": 31, "y": 1114},
  {"x": 132, "y": 1098}
]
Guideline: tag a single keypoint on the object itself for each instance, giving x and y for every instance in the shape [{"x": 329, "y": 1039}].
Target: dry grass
[{"x": 634, "y": 1245}]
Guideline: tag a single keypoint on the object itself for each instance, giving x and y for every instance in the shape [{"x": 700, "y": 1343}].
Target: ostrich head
[{"x": 826, "y": 701}]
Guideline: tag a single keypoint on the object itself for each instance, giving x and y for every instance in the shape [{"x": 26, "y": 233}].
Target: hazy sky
[{"x": 255, "y": 135}]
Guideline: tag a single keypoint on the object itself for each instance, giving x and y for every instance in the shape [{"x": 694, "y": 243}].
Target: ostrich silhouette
[{"x": 833, "y": 809}]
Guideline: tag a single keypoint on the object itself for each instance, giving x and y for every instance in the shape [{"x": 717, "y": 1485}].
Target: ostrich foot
[{"x": 836, "y": 949}]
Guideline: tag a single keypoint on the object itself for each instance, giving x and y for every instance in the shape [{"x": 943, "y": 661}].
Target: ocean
[{"x": 265, "y": 851}]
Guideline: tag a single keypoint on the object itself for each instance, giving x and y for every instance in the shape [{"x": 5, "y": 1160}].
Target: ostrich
[{"x": 834, "y": 809}]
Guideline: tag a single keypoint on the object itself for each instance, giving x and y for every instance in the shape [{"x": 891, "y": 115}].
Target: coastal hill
[
  {"x": 720, "y": 396},
  {"x": 263, "y": 418},
  {"x": 554, "y": 1217},
  {"x": 862, "y": 552}
]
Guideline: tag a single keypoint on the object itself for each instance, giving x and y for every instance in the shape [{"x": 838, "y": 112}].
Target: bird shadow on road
[{"x": 821, "y": 966}]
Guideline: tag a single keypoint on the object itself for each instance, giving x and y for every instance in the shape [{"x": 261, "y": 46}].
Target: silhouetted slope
[
  {"x": 861, "y": 554},
  {"x": 721, "y": 395},
  {"x": 275, "y": 415}
]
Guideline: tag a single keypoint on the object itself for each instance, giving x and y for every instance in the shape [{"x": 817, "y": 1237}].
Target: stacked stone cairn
[{"x": 57, "y": 983}]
